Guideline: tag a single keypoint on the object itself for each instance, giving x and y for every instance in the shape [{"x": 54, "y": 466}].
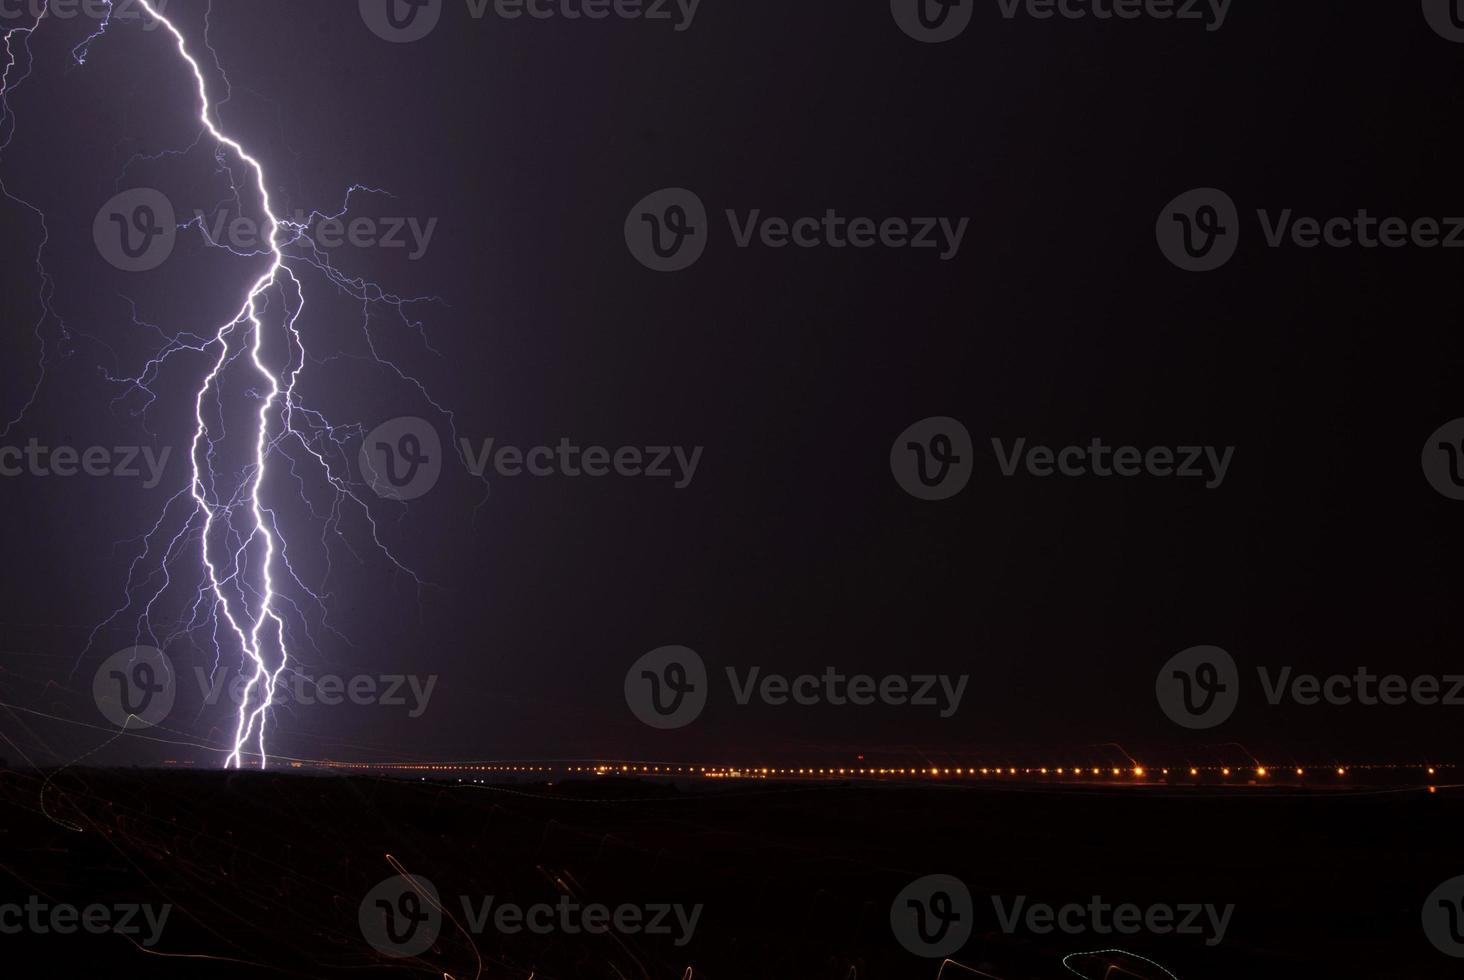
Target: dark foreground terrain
[{"x": 266, "y": 874}]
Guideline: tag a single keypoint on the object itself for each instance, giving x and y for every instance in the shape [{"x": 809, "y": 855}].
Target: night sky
[{"x": 793, "y": 548}]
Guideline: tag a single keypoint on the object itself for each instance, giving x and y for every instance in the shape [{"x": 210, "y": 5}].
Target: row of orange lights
[
  {"x": 754, "y": 772},
  {"x": 1137, "y": 771}
]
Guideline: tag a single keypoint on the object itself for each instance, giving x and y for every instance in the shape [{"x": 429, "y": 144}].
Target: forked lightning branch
[{"x": 241, "y": 591}]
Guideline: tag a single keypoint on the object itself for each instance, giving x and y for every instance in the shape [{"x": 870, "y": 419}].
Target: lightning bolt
[
  {"x": 259, "y": 693},
  {"x": 8, "y": 126},
  {"x": 242, "y": 554}
]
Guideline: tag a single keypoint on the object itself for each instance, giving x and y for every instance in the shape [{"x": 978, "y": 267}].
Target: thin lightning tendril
[
  {"x": 8, "y": 127},
  {"x": 238, "y": 593},
  {"x": 260, "y": 690}
]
